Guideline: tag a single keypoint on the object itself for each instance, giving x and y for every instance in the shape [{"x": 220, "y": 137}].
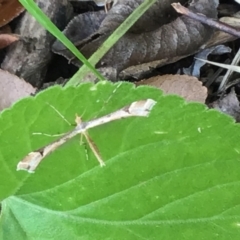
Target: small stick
[
  {"x": 140, "y": 108},
  {"x": 205, "y": 20}
]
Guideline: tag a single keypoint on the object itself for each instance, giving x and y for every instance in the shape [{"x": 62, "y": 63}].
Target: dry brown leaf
[
  {"x": 185, "y": 86},
  {"x": 88, "y": 22},
  {"x": 152, "y": 38},
  {"x": 7, "y": 39},
  {"x": 12, "y": 89},
  {"x": 29, "y": 58},
  {"x": 9, "y": 9},
  {"x": 6, "y": 29},
  {"x": 229, "y": 104}
]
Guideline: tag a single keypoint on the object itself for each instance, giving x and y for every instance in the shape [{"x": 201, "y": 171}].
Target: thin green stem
[
  {"x": 112, "y": 39},
  {"x": 35, "y": 11}
]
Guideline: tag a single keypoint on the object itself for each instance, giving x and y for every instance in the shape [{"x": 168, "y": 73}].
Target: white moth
[{"x": 140, "y": 108}]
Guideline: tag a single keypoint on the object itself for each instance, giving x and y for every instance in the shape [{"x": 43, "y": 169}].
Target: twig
[{"x": 205, "y": 20}]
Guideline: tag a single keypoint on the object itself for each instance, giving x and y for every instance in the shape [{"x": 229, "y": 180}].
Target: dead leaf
[
  {"x": 5, "y": 29},
  {"x": 9, "y": 9},
  {"x": 229, "y": 104},
  {"x": 88, "y": 22},
  {"x": 185, "y": 86},
  {"x": 29, "y": 58},
  {"x": 152, "y": 38},
  {"x": 12, "y": 89},
  {"x": 194, "y": 69},
  {"x": 7, "y": 39}
]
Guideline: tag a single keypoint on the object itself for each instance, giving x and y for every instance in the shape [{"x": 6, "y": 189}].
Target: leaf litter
[
  {"x": 165, "y": 38},
  {"x": 149, "y": 54},
  {"x": 13, "y": 89}
]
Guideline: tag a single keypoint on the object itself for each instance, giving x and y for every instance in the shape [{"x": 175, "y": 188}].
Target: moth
[{"x": 140, "y": 108}]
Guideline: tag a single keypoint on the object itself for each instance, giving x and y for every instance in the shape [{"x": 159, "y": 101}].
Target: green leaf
[{"x": 173, "y": 175}]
